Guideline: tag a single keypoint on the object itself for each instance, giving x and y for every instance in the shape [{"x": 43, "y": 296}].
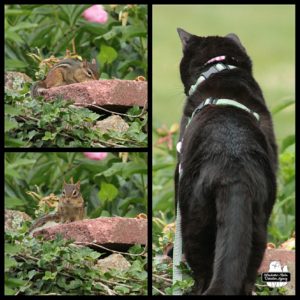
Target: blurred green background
[{"x": 266, "y": 31}]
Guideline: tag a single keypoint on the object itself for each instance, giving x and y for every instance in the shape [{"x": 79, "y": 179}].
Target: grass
[{"x": 267, "y": 32}]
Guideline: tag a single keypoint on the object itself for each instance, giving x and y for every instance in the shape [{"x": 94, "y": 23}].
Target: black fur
[{"x": 229, "y": 160}]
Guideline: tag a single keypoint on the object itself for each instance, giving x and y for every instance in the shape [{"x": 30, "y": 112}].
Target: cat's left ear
[
  {"x": 236, "y": 39},
  {"x": 184, "y": 36}
]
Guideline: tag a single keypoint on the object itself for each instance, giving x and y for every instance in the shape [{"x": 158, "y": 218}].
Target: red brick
[
  {"x": 105, "y": 231},
  {"x": 114, "y": 93},
  {"x": 284, "y": 256}
]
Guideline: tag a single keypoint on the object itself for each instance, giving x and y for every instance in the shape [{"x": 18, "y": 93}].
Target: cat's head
[{"x": 197, "y": 51}]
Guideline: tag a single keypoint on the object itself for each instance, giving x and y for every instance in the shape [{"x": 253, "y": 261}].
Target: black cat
[{"x": 228, "y": 161}]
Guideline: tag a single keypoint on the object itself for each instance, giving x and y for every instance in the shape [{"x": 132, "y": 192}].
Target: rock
[
  {"x": 285, "y": 258},
  {"x": 115, "y": 233},
  {"x": 117, "y": 95},
  {"x": 16, "y": 80},
  {"x": 115, "y": 123},
  {"x": 14, "y": 219},
  {"x": 291, "y": 286},
  {"x": 113, "y": 261}
]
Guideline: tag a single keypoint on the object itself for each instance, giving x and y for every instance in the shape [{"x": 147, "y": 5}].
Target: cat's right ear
[
  {"x": 184, "y": 36},
  {"x": 236, "y": 39}
]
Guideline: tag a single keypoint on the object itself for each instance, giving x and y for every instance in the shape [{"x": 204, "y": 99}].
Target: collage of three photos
[{"x": 146, "y": 154}]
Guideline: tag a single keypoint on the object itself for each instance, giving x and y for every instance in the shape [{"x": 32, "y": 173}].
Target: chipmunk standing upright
[
  {"x": 70, "y": 207},
  {"x": 65, "y": 72}
]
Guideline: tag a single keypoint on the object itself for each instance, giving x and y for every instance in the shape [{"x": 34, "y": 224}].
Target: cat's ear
[
  {"x": 184, "y": 36},
  {"x": 236, "y": 39}
]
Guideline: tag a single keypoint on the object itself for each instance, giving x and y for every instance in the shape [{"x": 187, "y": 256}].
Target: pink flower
[
  {"x": 95, "y": 155},
  {"x": 95, "y": 13}
]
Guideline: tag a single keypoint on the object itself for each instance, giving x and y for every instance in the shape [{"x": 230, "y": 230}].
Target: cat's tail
[{"x": 233, "y": 239}]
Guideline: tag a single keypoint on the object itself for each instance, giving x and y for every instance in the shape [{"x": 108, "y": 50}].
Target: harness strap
[
  {"x": 222, "y": 101},
  {"x": 177, "y": 252},
  {"x": 205, "y": 75}
]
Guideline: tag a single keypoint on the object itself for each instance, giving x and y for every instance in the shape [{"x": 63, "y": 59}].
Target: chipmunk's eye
[
  {"x": 75, "y": 193},
  {"x": 63, "y": 193},
  {"x": 90, "y": 73}
]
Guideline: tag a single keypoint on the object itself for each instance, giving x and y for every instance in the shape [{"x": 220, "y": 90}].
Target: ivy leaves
[
  {"x": 59, "y": 267},
  {"x": 38, "y": 123}
]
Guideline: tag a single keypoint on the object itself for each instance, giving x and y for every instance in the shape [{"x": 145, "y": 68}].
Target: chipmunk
[
  {"x": 65, "y": 72},
  {"x": 70, "y": 207}
]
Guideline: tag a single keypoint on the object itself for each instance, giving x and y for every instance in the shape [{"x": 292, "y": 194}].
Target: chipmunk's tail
[
  {"x": 43, "y": 220},
  {"x": 36, "y": 88}
]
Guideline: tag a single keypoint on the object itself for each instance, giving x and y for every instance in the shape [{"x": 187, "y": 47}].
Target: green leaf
[
  {"x": 10, "y": 124},
  {"x": 31, "y": 274},
  {"x": 47, "y": 136},
  {"x": 12, "y": 110},
  {"x": 49, "y": 275},
  {"x": 288, "y": 141},
  {"x": 111, "y": 34},
  {"x": 107, "y": 54},
  {"x": 10, "y": 142},
  {"x": 134, "y": 168},
  {"x": 16, "y": 281},
  {"x": 9, "y": 263},
  {"x": 108, "y": 192},
  {"x": 105, "y": 213},
  {"x": 12, "y": 248},
  {"x": 31, "y": 134},
  {"x": 74, "y": 284},
  {"x": 116, "y": 168},
  {"x": 61, "y": 282},
  {"x": 64, "y": 13},
  {"x": 131, "y": 31},
  {"x": 21, "y": 162},
  {"x": 16, "y": 12},
  {"x": 23, "y": 26},
  {"x": 14, "y": 202},
  {"x": 98, "y": 287},
  {"x": 121, "y": 290},
  {"x": 13, "y": 36},
  {"x": 9, "y": 291},
  {"x": 37, "y": 174},
  {"x": 282, "y": 106},
  {"x": 11, "y": 64}
]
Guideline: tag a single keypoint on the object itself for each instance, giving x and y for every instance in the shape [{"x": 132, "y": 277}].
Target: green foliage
[
  {"x": 164, "y": 162},
  {"x": 262, "y": 289},
  {"x": 109, "y": 187},
  {"x": 282, "y": 222},
  {"x": 121, "y": 49},
  {"x": 38, "y": 123},
  {"x": 162, "y": 266},
  {"x": 59, "y": 267}
]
